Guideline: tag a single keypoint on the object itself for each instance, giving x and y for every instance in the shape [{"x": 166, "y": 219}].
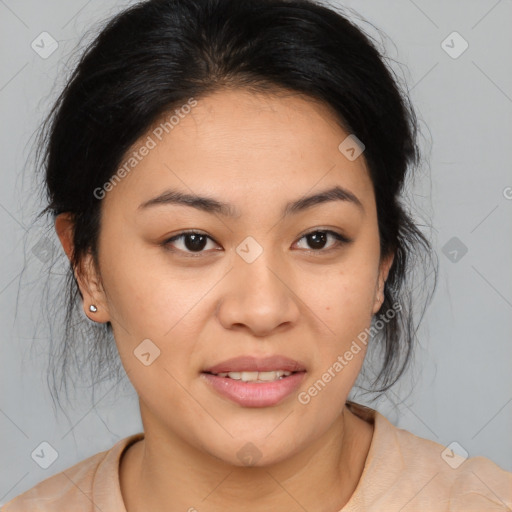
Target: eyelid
[
  {"x": 327, "y": 230},
  {"x": 166, "y": 243},
  {"x": 341, "y": 240}
]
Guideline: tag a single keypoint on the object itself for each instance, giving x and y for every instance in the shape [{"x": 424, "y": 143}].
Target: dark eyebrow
[
  {"x": 333, "y": 194},
  {"x": 210, "y": 205}
]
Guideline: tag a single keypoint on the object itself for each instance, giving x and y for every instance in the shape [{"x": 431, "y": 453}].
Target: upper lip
[{"x": 257, "y": 364}]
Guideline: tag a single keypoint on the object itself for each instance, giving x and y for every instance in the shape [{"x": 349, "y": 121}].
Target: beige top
[{"x": 402, "y": 472}]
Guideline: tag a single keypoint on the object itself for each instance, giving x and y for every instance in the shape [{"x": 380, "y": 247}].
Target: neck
[{"x": 162, "y": 472}]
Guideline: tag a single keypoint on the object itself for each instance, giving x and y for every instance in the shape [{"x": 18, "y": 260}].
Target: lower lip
[{"x": 255, "y": 394}]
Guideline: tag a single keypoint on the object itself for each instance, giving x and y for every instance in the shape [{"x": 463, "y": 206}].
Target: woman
[{"x": 225, "y": 178}]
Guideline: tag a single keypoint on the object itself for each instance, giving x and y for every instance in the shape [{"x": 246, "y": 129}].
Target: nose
[{"x": 259, "y": 297}]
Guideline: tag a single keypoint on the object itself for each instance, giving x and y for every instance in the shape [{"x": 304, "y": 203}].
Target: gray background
[{"x": 462, "y": 380}]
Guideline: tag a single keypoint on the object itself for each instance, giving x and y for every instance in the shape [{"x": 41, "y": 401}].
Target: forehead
[{"x": 238, "y": 144}]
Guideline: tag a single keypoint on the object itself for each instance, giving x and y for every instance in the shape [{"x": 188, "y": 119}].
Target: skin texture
[{"x": 256, "y": 152}]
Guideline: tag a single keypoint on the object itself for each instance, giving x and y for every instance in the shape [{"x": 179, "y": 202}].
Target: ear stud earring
[{"x": 93, "y": 308}]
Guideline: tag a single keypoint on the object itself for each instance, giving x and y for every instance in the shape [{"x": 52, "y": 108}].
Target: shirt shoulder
[
  {"x": 409, "y": 473},
  {"x": 461, "y": 483},
  {"x": 89, "y": 484}
]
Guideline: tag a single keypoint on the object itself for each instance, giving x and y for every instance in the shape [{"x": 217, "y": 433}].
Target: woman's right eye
[{"x": 189, "y": 242}]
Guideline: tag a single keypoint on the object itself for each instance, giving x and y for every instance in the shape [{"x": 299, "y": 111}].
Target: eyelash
[{"x": 341, "y": 240}]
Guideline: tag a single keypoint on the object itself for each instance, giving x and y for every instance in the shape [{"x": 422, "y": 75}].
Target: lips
[
  {"x": 254, "y": 364},
  {"x": 255, "y": 382}
]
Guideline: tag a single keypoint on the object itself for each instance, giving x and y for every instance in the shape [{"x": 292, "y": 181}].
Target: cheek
[
  {"x": 345, "y": 299},
  {"x": 343, "y": 305},
  {"x": 345, "y": 317},
  {"x": 165, "y": 398},
  {"x": 145, "y": 295}
]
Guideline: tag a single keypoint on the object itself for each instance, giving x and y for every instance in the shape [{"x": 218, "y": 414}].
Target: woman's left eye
[
  {"x": 193, "y": 243},
  {"x": 318, "y": 239}
]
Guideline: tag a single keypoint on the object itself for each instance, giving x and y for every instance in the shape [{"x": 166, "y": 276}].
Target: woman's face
[{"x": 266, "y": 282}]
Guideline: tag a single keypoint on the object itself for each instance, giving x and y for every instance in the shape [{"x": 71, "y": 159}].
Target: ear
[
  {"x": 86, "y": 273},
  {"x": 385, "y": 266}
]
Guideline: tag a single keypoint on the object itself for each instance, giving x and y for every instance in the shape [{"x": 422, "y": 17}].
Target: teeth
[
  {"x": 247, "y": 376},
  {"x": 256, "y": 376},
  {"x": 269, "y": 376}
]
